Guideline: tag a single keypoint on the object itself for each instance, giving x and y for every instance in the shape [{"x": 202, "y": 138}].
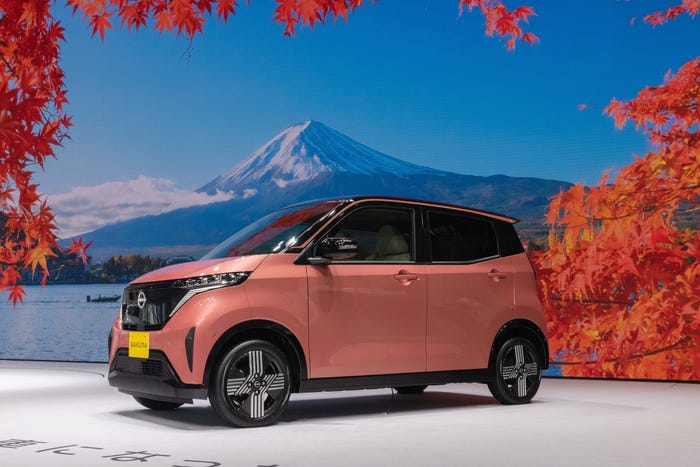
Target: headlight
[
  {"x": 197, "y": 285},
  {"x": 212, "y": 281},
  {"x": 149, "y": 306}
]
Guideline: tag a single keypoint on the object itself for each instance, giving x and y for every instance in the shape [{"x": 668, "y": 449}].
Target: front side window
[
  {"x": 382, "y": 234},
  {"x": 460, "y": 238}
]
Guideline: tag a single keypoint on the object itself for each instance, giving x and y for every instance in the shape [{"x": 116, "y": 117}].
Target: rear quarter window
[{"x": 460, "y": 238}]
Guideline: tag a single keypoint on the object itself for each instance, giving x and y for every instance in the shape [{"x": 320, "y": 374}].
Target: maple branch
[
  {"x": 681, "y": 341},
  {"x": 11, "y": 68},
  {"x": 592, "y": 301},
  {"x": 690, "y": 209},
  {"x": 676, "y": 194}
]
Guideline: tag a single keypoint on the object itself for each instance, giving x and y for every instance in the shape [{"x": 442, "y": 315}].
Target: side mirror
[{"x": 335, "y": 249}]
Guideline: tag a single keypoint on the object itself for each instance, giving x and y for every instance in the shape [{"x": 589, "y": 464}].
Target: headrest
[{"x": 390, "y": 242}]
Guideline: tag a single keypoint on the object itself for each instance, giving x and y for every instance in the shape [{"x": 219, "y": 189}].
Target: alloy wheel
[
  {"x": 517, "y": 375},
  {"x": 252, "y": 385}
]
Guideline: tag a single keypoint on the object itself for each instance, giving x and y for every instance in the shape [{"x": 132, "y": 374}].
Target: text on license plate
[{"x": 138, "y": 344}]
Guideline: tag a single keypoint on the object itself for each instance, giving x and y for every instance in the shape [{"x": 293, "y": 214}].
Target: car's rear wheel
[
  {"x": 157, "y": 405},
  {"x": 516, "y": 372},
  {"x": 251, "y": 384},
  {"x": 411, "y": 389}
]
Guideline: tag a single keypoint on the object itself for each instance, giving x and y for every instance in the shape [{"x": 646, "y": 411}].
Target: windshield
[{"x": 273, "y": 233}]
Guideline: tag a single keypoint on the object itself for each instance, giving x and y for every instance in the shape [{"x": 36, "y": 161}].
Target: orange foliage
[
  {"x": 32, "y": 123},
  {"x": 503, "y": 22},
  {"x": 691, "y": 7},
  {"x": 188, "y": 16},
  {"x": 621, "y": 280}
]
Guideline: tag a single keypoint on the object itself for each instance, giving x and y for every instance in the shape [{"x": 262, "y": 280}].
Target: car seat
[{"x": 391, "y": 246}]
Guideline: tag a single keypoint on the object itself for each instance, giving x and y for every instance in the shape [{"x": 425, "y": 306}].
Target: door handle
[
  {"x": 496, "y": 275},
  {"x": 406, "y": 277}
]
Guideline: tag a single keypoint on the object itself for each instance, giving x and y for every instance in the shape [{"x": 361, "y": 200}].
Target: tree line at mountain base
[{"x": 66, "y": 268}]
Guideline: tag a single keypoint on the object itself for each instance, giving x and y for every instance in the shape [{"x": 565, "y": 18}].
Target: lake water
[{"x": 57, "y": 323}]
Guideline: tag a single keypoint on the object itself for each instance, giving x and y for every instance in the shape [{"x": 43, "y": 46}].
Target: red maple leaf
[{"x": 100, "y": 22}]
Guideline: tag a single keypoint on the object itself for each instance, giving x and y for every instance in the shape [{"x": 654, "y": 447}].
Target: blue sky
[{"x": 410, "y": 78}]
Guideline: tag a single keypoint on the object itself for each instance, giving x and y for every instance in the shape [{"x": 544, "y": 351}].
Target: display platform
[{"x": 65, "y": 414}]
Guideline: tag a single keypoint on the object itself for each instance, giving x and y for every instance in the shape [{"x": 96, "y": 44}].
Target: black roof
[{"x": 355, "y": 198}]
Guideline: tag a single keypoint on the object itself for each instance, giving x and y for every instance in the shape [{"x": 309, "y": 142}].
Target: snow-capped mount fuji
[
  {"x": 311, "y": 161},
  {"x": 303, "y": 152}
]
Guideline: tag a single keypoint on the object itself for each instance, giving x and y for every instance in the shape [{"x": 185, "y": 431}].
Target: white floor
[{"x": 66, "y": 414}]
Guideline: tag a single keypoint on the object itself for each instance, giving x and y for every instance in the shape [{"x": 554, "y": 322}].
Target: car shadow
[
  {"x": 346, "y": 406},
  {"x": 319, "y": 408}
]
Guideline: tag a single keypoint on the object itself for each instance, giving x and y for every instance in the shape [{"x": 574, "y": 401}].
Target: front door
[{"x": 367, "y": 315}]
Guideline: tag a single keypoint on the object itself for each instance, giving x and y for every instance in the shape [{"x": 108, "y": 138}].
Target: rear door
[
  {"x": 470, "y": 290},
  {"x": 367, "y": 315}
]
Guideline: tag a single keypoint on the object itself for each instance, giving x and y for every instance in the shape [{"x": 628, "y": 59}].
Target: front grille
[
  {"x": 147, "y": 307},
  {"x": 157, "y": 365},
  {"x": 152, "y": 368}
]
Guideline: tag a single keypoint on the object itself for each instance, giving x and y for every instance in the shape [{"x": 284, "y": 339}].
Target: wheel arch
[
  {"x": 275, "y": 333},
  {"x": 521, "y": 328}
]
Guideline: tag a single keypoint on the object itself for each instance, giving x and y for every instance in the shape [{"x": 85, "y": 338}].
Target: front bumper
[{"x": 152, "y": 378}]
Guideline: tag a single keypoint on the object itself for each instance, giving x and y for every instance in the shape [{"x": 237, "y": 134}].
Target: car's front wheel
[
  {"x": 251, "y": 384},
  {"x": 516, "y": 372}
]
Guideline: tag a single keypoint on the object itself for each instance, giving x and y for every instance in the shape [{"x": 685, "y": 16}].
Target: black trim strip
[
  {"x": 189, "y": 347},
  {"x": 480, "y": 375}
]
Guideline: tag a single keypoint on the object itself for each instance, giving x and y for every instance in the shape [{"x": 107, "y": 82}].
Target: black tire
[
  {"x": 411, "y": 389},
  {"x": 251, "y": 384},
  {"x": 157, "y": 405},
  {"x": 516, "y": 371}
]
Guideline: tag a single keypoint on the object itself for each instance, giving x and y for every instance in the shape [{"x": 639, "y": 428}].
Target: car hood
[{"x": 202, "y": 268}]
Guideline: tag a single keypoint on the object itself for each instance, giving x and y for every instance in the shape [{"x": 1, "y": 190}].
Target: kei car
[{"x": 365, "y": 292}]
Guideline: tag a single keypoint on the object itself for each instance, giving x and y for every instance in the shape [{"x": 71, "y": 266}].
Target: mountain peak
[
  {"x": 312, "y": 124},
  {"x": 304, "y": 151}
]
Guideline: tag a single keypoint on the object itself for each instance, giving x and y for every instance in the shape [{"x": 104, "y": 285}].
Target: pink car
[{"x": 368, "y": 292}]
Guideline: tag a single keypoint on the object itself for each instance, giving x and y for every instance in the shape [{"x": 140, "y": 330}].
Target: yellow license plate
[{"x": 138, "y": 344}]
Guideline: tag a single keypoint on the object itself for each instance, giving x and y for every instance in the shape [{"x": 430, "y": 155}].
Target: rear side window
[{"x": 455, "y": 237}]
